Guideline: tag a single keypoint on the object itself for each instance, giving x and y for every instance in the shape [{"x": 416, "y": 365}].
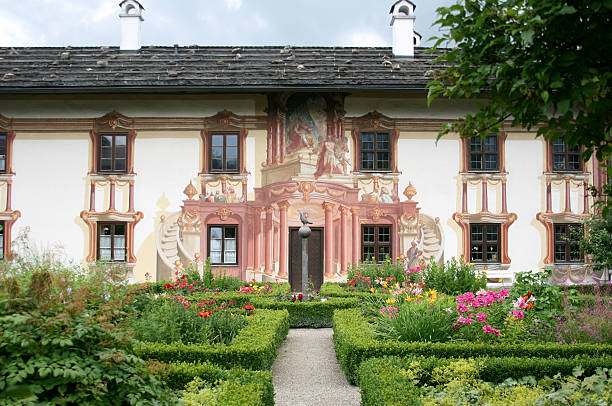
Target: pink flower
[
  {"x": 481, "y": 317},
  {"x": 488, "y": 329},
  {"x": 517, "y": 314}
]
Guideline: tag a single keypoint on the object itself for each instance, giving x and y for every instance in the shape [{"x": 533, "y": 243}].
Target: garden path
[{"x": 306, "y": 372}]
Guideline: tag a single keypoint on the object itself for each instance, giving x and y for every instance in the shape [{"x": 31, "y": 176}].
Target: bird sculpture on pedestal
[{"x": 304, "y": 219}]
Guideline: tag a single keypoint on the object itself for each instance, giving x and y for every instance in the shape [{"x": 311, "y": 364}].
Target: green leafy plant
[{"x": 453, "y": 277}]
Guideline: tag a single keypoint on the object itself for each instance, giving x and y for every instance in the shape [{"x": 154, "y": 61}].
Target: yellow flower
[
  {"x": 391, "y": 301},
  {"x": 409, "y": 298},
  {"x": 389, "y": 260},
  {"x": 472, "y": 264},
  {"x": 484, "y": 272},
  {"x": 373, "y": 258},
  {"x": 372, "y": 290},
  {"x": 500, "y": 280},
  {"x": 478, "y": 278}
]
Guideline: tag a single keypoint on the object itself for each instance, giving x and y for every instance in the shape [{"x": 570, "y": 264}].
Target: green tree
[{"x": 541, "y": 64}]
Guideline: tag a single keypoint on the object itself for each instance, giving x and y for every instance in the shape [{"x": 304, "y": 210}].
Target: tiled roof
[{"x": 196, "y": 68}]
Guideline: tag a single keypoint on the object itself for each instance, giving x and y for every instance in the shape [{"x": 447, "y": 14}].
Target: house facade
[{"x": 158, "y": 156}]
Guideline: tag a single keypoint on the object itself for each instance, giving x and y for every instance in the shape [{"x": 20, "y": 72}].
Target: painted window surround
[
  {"x": 484, "y": 243},
  {"x": 111, "y": 123},
  {"x": 376, "y": 244},
  {"x": 505, "y": 219},
  {"x": 374, "y": 122},
  {"x": 223, "y": 248},
  {"x": 113, "y": 234},
  {"x": 8, "y": 215}
]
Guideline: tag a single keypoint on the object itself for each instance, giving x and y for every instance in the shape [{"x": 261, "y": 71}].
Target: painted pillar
[
  {"x": 568, "y": 203},
  {"x": 343, "y": 240},
  {"x": 284, "y": 235},
  {"x": 9, "y": 192},
  {"x": 269, "y": 235},
  {"x": 257, "y": 243},
  {"x": 585, "y": 204},
  {"x": 329, "y": 242},
  {"x": 356, "y": 239},
  {"x": 92, "y": 197},
  {"x": 485, "y": 196},
  {"x": 111, "y": 204},
  {"x": 504, "y": 199},
  {"x": 203, "y": 185},
  {"x": 548, "y": 197},
  {"x": 244, "y": 189},
  {"x": 464, "y": 205},
  {"x": 275, "y": 242},
  {"x": 131, "y": 193},
  {"x": 269, "y": 140}
]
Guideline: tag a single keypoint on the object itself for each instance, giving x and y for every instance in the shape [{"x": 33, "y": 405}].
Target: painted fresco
[{"x": 307, "y": 132}]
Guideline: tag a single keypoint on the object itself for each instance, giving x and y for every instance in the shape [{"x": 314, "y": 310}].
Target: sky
[{"x": 210, "y": 22}]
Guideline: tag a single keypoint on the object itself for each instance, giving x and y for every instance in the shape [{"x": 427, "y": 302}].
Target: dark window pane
[
  {"x": 558, "y": 146},
  {"x": 368, "y": 253},
  {"x": 383, "y": 160},
  {"x": 491, "y": 162},
  {"x": 382, "y": 141},
  {"x": 476, "y": 161},
  {"x": 491, "y": 144},
  {"x": 119, "y": 229},
  {"x": 120, "y": 165},
  {"x": 230, "y": 232},
  {"x": 367, "y": 141},
  {"x": 231, "y": 152},
  {"x": 216, "y": 152},
  {"x": 232, "y": 165},
  {"x": 558, "y": 162},
  {"x": 476, "y": 253},
  {"x": 107, "y": 152},
  {"x": 217, "y": 164},
  {"x": 476, "y": 232},
  {"x": 120, "y": 152},
  {"x": 368, "y": 234},
  {"x": 107, "y": 141},
  {"x": 491, "y": 234},
  {"x": 367, "y": 160},
  {"x": 383, "y": 252},
  {"x": 573, "y": 162},
  {"x": 106, "y": 165}
]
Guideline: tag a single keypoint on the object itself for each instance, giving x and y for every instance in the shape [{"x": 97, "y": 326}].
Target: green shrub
[
  {"x": 308, "y": 314},
  {"x": 414, "y": 321},
  {"x": 225, "y": 393},
  {"x": 355, "y": 341},
  {"x": 169, "y": 321},
  {"x": 453, "y": 277},
  {"x": 372, "y": 270},
  {"x": 332, "y": 289},
  {"x": 177, "y": 375},
  {"x": 254, "y": 347},
  {"x": 223, "y": 326}
]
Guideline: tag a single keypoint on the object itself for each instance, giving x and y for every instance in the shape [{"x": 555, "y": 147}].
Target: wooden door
[{"x": 315, "y": 258}]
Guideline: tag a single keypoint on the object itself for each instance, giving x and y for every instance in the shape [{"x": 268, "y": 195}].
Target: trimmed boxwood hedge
[
  {"x": 308, "y": 314},
  {"x": 355, "y": 341},
  {"x": 335, "y": 289},
  {"x": 254, "y": 347},
  {"x": 178, "y": 374}
]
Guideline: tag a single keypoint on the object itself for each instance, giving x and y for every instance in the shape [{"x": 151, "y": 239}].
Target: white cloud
[
  {"x": 104, "y": 10},
  {"x": 364, "y": 39},
  {"x": 15, "y": 31},
  {"x": 233, "y": 4}
]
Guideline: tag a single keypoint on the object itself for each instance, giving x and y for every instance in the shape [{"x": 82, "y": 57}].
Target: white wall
[
  {"x": 525, "y": 165},
  {"x": 49, "y": 189}
]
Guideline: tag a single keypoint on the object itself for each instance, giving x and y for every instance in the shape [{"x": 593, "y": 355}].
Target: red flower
[
  {"x": 300, "y": 296},
  {"x": 143, "y": 287},
  {"x": 204, "y": 314},
  {"x": 249, "y": 307},
  {"x": 168, "y": 286}
]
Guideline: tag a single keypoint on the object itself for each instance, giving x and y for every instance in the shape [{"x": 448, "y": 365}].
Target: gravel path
[{"x": 307, "y": 373}]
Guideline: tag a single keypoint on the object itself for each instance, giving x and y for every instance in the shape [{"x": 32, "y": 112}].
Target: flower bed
[
  {"x": 420, "y": 380},
  {"x": 177, "y": 375},
  {"x": 253, "y": 348},
  {"x": 355, "y": 341}
]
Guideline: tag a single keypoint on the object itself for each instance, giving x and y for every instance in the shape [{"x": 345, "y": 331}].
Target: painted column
[
  {"x": 356, "y": 239},
  {"x": 257, "y": 248},
  {"x": 284, "y": 235},
  {"x": 485, "y": 197},
  {"x": 92, "y": 197},
  {"x": 343, "y": 240},
  {"x": 464, "y": 205},
  {"x": 269, "y": 235},
  {"x": 568, "y": 203},
  {"x": 281, "y": 134},
  {"x": 585, "y": 204},
  {"x": 275, "y": 242},
  {"x": 203, "y": 185},
  {"x": 131, "y": 193},
  {"x": 244, "y": 190},
  {"x": 548, "y": 197},
  {"x": 504, "y": 201},
  {"x": 9, "y": 192},
  {"x": 269, "y": 140},
  {"x": 111, "y": 204},
  {"x": 329, "y": 242}
]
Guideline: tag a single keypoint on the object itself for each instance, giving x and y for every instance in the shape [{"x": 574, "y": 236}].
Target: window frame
[
  {"x": 483, "y": 154},
  {"x": 2, "y": 240},
  {"x": 566, "y": 153},
  {"x": 113, "y": 158},
  {"x": 376, "y": 150},
  {"x": 96, "y": 139},
  {"x": 568, "y": 245},
  {"x": 99, "y": 226},
  {"x": 376, "y": 244},
  {"x": 208, "y": 243},
  {"x": 4, "y": 145},
  {"x": 485, "y": 243},
  {"x": 239, "y": 148}
]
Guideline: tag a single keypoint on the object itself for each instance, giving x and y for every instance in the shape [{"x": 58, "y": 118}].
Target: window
[
  {"x": 113, "y": 153},
  {"x": 224, "y": 153},
  {"x": 566, "y": 248},
  {"x": 3, "y": 149},
  {"x": 484, "y": 154},
  {"x": 484, "y": 243},
  {"x": 223, "y": 245},
  {"x": 375, "y": 151},
  {"x": 111, "y": 242},
  {"x": 564, "y": 158},
  {"x": 376, "y": 243}
]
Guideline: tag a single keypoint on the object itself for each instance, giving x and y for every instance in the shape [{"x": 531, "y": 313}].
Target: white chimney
[
  {"x": 130, "y": 17},
  {"x": 402, "y": 21}
]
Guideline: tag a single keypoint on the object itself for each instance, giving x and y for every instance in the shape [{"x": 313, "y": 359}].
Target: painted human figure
[
  {"x": 207, "y": 198},
  {"x": 231, "y": 195},
  {"x": 327, "y": 163},
  {"x": 219, "y": 198},
  {"x": 413, "y": 254},
  {"x": 299, "y": 136},
  {"x": 385, "y": 197}
]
